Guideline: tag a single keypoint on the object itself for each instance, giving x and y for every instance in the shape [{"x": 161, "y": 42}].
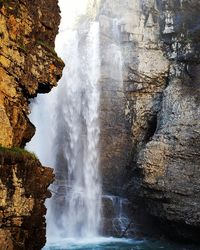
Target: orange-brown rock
[
  {"x": 28, "y": 63},
  {"x": 23, "y": 190}
]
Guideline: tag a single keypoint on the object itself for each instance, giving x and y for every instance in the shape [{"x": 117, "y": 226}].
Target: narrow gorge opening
[
  {"x": 68, "y": 129},
  {"x": 85, "y": 126},
  {"x": 120, "y": 133},
  {"x": 67, "y": 121}
]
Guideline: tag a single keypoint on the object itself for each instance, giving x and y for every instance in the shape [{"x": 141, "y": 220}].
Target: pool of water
[{"x": 115, "y": 244}]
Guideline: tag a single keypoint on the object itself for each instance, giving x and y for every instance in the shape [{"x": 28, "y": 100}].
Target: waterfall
[
  {"x": 70, "y": 114},
  {"x": 116, "y": 215},
  {"x": 68, "y": 126},
  {"x": 77, "y": 135}
]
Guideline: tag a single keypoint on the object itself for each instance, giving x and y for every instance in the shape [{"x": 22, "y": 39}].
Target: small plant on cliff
[
  {"x": 46, "y": 46},
  {"x": 17, "y": 152},
  {"x": 22, "y": 48}
]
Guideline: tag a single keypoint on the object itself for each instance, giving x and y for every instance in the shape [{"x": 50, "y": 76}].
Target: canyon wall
[
  {"x": 28, "y": 65},
  {"x": 168, "y": 165},
  {"x": 115, "y": 139},
  {"x": 23, "y": 190},
  {"x": 158, "y": 165}
]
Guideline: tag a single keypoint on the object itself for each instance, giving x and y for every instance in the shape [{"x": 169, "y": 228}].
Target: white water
[
  {"x": 99, "y": 243},
  {"x": 121, "y": 224},
  {"x": 67, "y": 122}
]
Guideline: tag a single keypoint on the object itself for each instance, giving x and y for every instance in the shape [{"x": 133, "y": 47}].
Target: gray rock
[{"x": 150, "y": 123}]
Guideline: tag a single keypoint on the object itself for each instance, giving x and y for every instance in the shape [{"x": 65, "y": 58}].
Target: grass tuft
[
  {"x": 18, "y": 152},
  {"x": 46, "y": 46}
]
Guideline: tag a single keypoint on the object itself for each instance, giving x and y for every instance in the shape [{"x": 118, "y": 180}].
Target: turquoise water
[{"x": 116, "y": 244}]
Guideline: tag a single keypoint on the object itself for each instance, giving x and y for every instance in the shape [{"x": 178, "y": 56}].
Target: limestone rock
[
  {"x": 153, "y": 117},
  {"x": 131, "y": 97},
  {"x": 166, "y": 172}
]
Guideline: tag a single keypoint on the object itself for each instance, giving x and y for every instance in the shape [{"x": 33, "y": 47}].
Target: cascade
[
  {"x": 67, "y": 137},
  {"x": 76, "y": 201},
  {"x": 68, "y": 127},
  {"x": 68, "y": 122},
  {"x": 117, "y": 216}
]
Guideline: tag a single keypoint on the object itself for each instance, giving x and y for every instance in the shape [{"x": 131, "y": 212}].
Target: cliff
[
  {"x": 23, "y": 190},
  {"x": 149, "y": 111},
  {"x": 28, "y": 65},
  {"x": 168, "y": 165},
  {"x": 156, "y": 108}
]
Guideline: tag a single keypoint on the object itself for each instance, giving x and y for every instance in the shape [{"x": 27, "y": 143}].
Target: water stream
[
  {"x": 67, "y": 137},
  {"x": 77, "y": 191},
  {"x": 116, "y": 244},
  {"x": 116, "y": 216}
]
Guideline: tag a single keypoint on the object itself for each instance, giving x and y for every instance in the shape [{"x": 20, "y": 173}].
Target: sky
[{"x": 70, "y": 10}]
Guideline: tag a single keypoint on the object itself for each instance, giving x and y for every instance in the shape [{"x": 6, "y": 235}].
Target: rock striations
[
  {"x": 169, "y": 164},
  {"x": 160, "y": 99},
  {"x": 23, "y": 190},
  {"x": 28, "y": 65}
]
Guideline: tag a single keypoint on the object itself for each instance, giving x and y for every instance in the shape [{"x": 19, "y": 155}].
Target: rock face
[
  {"x": 131, "y": 92},
  {"x": 23, "y": 190},
  {"x": 28, "y": 65},
  {"x": 159, "y": 45},
  {"x": 135, "y": 94},
  {"x": 169, "y": 164},
  {"x": 115, "y": 130}
]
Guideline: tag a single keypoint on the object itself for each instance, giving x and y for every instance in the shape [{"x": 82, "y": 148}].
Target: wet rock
[
  {"x": 117, "y": 217},
  {"x": 167, "y": 167},
  {"x": 157, "y": 161}
]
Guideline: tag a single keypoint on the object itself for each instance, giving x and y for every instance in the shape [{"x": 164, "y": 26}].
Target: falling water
[
  {"x": 70, "y": 141},
  {"x": 77, "y": 176},
  {"x": 67, "y": 137},
  {"x": 117, "y": 215}
]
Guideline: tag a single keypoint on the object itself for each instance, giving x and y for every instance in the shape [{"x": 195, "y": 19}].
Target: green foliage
[
  {"x": 50, "y": 49},
  {"x": 16, "y": 151},
  {"x": 46, "y": 46},
  {"x": 23, "y": 48}
]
